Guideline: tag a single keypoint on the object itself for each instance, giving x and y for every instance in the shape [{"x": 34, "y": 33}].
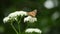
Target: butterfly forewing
[{"x": 32, "y": 13}]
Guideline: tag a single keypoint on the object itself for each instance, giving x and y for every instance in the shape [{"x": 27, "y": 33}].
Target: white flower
[
  {"x": 49, "y": 4},
  {"x": 6, "y": 19},
  {"x": 22, "y": 13},
  {"x": 12, "y": 15},
  {"x": 30, "y": 19},
  {"x": 30, "y": 30},
  {"x": 17, "y": 13},
  {"x": 37, "y": 30}
]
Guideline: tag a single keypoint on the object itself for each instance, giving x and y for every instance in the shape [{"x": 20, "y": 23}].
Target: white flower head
[
  {"x": 30, "y": 30},
  {"x": 6, "y": 19},
  {"x": 12, "y": 15},
  {"x": 37, "y": 30},
  {"x": 22, "y": 13},
  {"x": 30, "y": 19},
  {"x": 49, "y": 4},
  {"x": 17, "y": 13}
]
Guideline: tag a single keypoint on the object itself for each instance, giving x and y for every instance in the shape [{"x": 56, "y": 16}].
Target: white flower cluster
[
  {"x": 30, "y": 30},
  {"x": 14, "y": 15},
  {"x": 6, "y": 19},
  {"x": 18, "y": 13},
  {"x": 30, "y": 19}
]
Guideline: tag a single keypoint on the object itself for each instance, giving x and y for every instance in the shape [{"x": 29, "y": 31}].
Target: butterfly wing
[{"x": 32, "y": 13}]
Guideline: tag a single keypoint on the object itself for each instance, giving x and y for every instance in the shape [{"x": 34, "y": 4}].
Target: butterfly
[{"x": 32, "y": 13}]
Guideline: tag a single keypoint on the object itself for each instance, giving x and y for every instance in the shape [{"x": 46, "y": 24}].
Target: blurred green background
[{"x": 48, "y": 19}]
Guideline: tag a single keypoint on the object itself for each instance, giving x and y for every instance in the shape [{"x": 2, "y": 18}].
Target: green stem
[
  {"x": 19, "y": 29},
  {"x": 14, "y": 28},
  {"x": 19, "y": 25}
]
